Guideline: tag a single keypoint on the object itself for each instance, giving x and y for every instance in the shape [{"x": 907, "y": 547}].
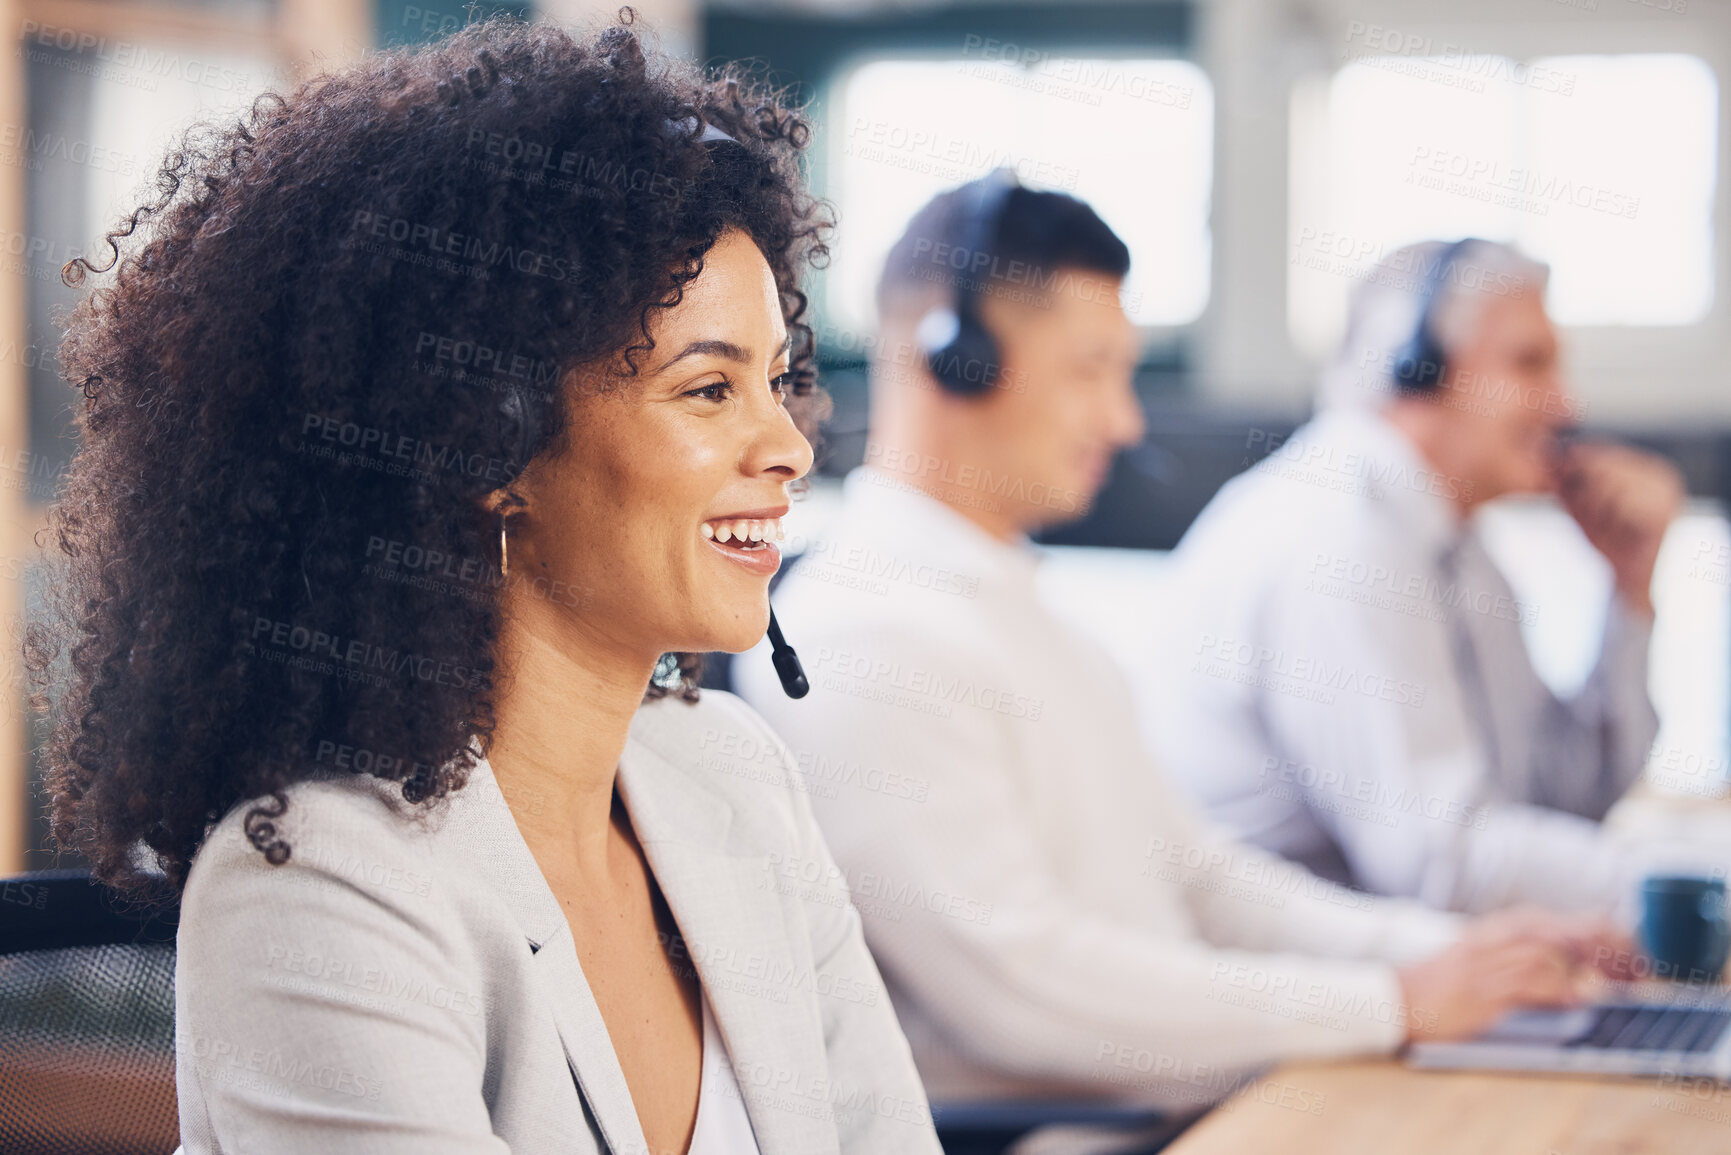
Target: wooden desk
[{"x": 1382, "y": 1107}]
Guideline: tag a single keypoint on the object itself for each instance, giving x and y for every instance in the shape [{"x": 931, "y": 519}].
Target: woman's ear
[{"x": 505, "y": 501}]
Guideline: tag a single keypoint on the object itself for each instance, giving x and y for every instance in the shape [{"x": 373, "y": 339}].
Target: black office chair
[
  {"x": 86, "y": 1021},
  {"x": 990, "y": 1128}
]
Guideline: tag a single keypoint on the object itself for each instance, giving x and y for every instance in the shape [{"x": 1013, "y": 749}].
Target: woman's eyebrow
[{"x": 716, "y": 347}]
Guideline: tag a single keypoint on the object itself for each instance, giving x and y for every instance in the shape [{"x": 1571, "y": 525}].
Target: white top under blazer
[
  {"x": 406, "y": 983},
  {"x": 722, "y": 1126}
]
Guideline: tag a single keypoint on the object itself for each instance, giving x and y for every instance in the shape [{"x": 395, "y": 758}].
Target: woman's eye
[
  {"x": 782, "y": 386},
  {"x": 715, "y": 391}
]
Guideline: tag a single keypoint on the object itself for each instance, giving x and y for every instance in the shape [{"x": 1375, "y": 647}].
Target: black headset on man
[
  {"x": 1419, "y": 364},
  {"x": 522, "y": 425},
  {"x": 959, "y": 351}
]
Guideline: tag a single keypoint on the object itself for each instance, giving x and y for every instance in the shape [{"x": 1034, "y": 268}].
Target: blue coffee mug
[{"x": 1684, "y": 927}]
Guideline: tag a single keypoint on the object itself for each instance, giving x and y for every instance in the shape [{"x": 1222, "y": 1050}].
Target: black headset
[
  {"x": 521, "y": 419},
  {"x": 522, "y": 424},
  {"x": 959, "y": 351},
  {"x": 1419, "y": 364}
]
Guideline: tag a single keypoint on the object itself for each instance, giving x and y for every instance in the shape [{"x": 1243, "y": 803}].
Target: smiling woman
[{"x": 447, "y": 404}]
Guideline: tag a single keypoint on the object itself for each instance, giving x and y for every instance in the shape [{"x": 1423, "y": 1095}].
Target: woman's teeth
[{"x": 744, "y": 531}]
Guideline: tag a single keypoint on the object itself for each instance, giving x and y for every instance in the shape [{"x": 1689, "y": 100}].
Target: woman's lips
[
  {"x": 764, "y": 560},
  {"x": 747, "y": 542}
]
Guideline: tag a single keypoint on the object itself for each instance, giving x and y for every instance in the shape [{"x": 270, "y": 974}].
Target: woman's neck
[{"x": 563, "y": 711}]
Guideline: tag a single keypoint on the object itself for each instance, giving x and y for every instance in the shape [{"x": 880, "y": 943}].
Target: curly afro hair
[{"x": 277, "y": 563}]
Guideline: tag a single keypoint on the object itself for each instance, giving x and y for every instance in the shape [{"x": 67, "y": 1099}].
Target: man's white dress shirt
[
  {"x": 1050, "y": 918},
  {"x": 1345, "y": 684}
]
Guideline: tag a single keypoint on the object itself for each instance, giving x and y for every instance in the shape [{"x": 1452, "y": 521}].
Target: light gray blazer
[{"x": 410, "y": 985}]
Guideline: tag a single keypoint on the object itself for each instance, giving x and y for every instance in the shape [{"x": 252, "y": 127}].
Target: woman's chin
[{"x": 741, "y": 632}]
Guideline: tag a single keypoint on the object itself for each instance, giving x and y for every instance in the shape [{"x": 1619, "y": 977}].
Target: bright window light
[
  {"x": 1603, "y": 166},
  {"x": 138, "y": 115},
  {"x": 1133, "y": 138}
]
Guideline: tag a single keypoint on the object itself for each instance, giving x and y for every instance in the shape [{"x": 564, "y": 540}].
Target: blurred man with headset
[
  {"x": 1052, "y": 919},
  {"x": 1352, "y": 690}
]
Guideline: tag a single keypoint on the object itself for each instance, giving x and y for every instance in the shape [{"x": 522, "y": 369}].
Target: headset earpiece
[
  {"x": 959, "y": 351},
  {"x": 521, "y": 425}
]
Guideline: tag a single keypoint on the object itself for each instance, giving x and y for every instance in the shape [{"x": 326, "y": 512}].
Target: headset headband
[
  {"x": 1420, "y": 364},
  {"x": 979, "y": 230},
  {"x": 515, "y": 408}
]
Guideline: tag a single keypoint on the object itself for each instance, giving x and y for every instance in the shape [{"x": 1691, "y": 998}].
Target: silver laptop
[{"x": 1683, "y": 1035}]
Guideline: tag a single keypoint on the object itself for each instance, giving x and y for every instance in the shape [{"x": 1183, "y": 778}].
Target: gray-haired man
[{"x": 1352, "y": 689}]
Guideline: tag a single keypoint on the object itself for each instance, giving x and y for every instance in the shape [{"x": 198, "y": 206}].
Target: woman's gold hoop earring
[{"x": 504, "y": 559}]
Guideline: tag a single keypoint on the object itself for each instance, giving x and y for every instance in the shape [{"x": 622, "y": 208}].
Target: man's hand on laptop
[
  {"x": 1592, "y": 941},
  {"x": 1523, "y": 956}
]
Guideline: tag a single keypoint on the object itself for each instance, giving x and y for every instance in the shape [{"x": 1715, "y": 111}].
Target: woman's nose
[{"x": 779, "y": 446}]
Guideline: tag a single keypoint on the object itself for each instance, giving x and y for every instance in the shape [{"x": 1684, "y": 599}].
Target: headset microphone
[{"x": 786, "y": 662}]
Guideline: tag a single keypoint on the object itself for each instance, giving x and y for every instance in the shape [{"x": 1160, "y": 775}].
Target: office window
[
  {"x": 1134, "y": 138},
  {"x": 1603, "y": 166},
  {"x": 143, "y": 120}
]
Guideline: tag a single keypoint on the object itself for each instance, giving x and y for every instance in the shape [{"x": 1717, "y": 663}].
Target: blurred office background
[{"x": 1259, "y": 157}]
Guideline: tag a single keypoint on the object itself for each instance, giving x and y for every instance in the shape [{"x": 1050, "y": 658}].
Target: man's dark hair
[{"x": 1037, "y": 233}]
